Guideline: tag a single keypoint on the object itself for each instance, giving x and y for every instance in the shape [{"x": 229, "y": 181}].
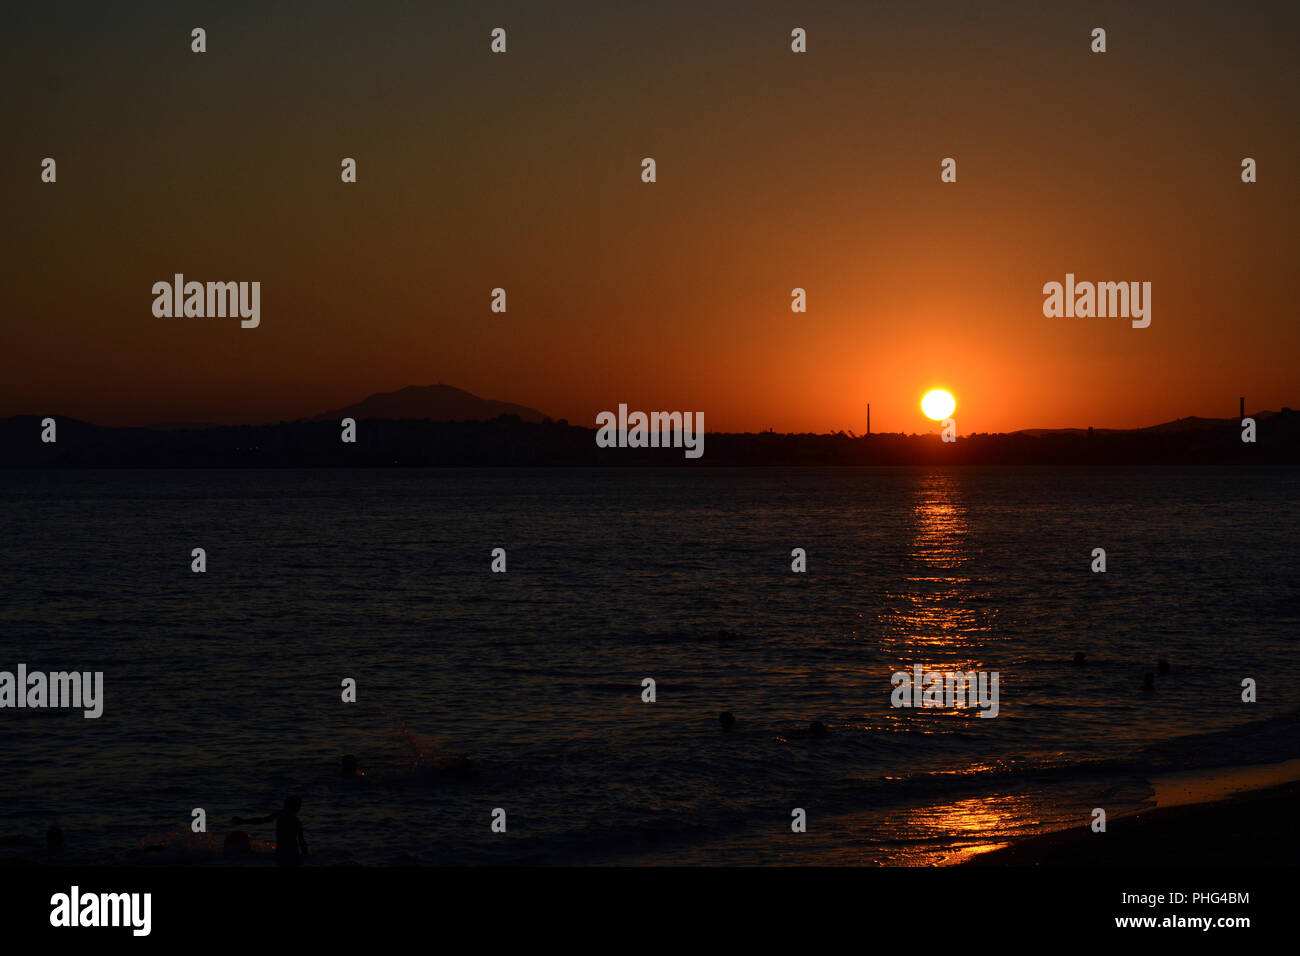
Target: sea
[{"x": 520, "y": 696}]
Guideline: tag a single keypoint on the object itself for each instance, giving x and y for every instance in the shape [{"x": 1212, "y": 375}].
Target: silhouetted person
[
  {"x": 349, "y": 767},
  {"x": 1163, "y": 666},
  {"x": 1080, "y": 658},
  {"x": 289, "y": 838},
  {"x": 727, "y": 719},
  {"x": 818, "y": 729},
  {"x": 1148, "y": 681},
  {"x": 54, "y": 839}
]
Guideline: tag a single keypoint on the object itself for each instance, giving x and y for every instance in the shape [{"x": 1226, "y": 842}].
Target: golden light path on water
[
  {"x": 953, "y": 832},
  {"x": 934, "y": 615},
  {"x": 941, "y": 620}
]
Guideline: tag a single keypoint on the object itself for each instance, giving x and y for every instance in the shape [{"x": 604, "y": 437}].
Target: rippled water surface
[{"x": 223, "y": 688}]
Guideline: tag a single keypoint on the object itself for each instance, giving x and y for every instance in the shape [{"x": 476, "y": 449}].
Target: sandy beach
[{"x": 1231, "y": 824}]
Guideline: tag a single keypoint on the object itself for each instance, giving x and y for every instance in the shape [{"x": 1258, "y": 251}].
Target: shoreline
[{"x": 1237, "y": 816}]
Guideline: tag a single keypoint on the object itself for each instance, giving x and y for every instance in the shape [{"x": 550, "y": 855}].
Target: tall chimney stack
[
  {"x": 1243, "y": 406},
  {"x": 868, "y": 418}
]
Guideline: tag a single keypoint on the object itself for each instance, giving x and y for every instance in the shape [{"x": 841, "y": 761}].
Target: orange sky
[{"x": 775, "y": 170}]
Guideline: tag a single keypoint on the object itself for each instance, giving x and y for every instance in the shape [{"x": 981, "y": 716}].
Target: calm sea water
[{"x": 223, "y": 689}]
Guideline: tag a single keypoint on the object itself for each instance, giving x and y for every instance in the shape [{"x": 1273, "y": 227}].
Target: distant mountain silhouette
[
  {"x": 1193, "y": 423},
  {"x": 440, "y": 403},
  {"x": 1190, "y": 424},
  {"x": 178, "y": 426}
]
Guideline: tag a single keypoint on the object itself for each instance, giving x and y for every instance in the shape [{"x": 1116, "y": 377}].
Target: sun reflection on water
[
  {"x": 936, "y": 610},
  {"x": 950, "y": 833}
]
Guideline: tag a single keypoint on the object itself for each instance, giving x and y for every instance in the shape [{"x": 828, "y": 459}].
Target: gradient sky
[{"x": 775, "y": 170}]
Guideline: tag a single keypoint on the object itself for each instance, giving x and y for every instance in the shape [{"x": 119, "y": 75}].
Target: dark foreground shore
[{"x": 1256, "y": 828}]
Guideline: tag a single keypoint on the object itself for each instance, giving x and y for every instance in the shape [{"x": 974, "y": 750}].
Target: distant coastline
[{"x": 508, "y": 440}]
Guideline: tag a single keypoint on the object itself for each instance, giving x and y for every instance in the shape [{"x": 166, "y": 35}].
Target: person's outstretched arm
[{"x": 249, "y": 820}]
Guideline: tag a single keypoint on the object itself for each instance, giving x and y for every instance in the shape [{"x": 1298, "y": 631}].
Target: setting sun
[{"x": 938, "y": 404}]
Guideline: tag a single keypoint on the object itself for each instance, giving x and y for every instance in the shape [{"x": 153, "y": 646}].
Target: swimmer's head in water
[{"x": 292, "y": 803}]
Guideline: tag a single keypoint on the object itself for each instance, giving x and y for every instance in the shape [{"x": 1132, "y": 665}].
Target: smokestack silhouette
[
  {"x": 868, "y": 418},
  {"x": 1243, "y": 406}
]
